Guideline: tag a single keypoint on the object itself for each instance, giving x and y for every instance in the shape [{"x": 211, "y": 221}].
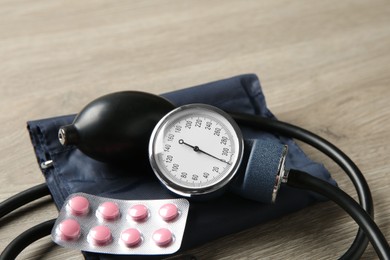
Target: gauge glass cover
[{"x": 196, "y": 149}]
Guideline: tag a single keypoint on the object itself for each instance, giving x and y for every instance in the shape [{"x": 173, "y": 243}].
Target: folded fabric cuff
[{"x": 72, "y": 171}]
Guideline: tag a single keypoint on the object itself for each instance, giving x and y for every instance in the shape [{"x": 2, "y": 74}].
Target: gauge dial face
[{"x": 196, "y": 149}]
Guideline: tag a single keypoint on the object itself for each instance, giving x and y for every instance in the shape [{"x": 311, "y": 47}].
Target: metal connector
[
  {"x": 285, "y": 176},
  {"x": 281, "y": 175},
  {"x": 47, "y": 164}
]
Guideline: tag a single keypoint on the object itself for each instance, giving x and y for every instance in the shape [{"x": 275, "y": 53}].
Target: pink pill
[
  {"x": 131, "y": 237},
  {"x": 162, "y": 237},
  {"x": 100, "y": 235},
  {"x": 168, "y": 212},
  {"x": 78, "y": 205},
  {"x": 108, "y": 210},
  {"x": 69, "y": 229},
  {"x": 138, "y": 212}
]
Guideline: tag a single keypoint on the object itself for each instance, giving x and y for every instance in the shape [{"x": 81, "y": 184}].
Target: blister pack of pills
[{"x": 103, "y": 225}]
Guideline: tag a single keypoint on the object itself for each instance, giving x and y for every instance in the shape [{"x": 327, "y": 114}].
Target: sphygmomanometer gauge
[{"x": 196, "y": 150}]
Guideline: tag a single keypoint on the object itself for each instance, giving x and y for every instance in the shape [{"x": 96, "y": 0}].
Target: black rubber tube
[
  {"x": 22, "y": 198},
  {"x": 303, "y": 180},
  {"x": 360, "y": 243},
  {"x": 26, "y": 238}
]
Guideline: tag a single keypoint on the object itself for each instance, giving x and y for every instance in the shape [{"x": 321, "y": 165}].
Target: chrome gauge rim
[{"x": 196, "y": 149}]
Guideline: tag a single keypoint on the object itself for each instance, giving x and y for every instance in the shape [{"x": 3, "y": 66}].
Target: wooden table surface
[{"x": 323, "y": 65}]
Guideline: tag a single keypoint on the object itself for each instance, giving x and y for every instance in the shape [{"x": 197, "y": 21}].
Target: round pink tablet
[
  {"x": 168, "y": 212},
  {"x": 131, "y": 237},
  {"x": 162, "y": 237},
  {"x": 69, "y": 229},
  {"x": 78, "y": 205},
  {"x": 108, "y": 210},
  {"x": 138, "y": 212},
  {"x": 100, "y": 235}
]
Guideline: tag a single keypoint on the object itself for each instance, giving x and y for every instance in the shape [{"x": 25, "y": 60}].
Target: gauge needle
[{"x": 197, "y": 149}]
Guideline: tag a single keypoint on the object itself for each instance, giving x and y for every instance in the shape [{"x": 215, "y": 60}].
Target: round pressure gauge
[{"x": 196, "y": 150}]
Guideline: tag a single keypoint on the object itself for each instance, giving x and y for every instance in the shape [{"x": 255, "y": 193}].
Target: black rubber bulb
[{"x": 116, "y": 127}]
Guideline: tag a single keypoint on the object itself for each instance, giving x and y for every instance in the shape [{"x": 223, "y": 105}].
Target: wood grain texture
[{"x": 323, "y": 65}]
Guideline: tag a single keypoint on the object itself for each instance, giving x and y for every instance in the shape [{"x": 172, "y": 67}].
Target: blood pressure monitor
[{"x": 196, "y": 150}]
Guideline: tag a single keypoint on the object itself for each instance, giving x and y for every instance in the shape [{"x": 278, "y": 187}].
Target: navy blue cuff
[{"x": 72, "y": 171}]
